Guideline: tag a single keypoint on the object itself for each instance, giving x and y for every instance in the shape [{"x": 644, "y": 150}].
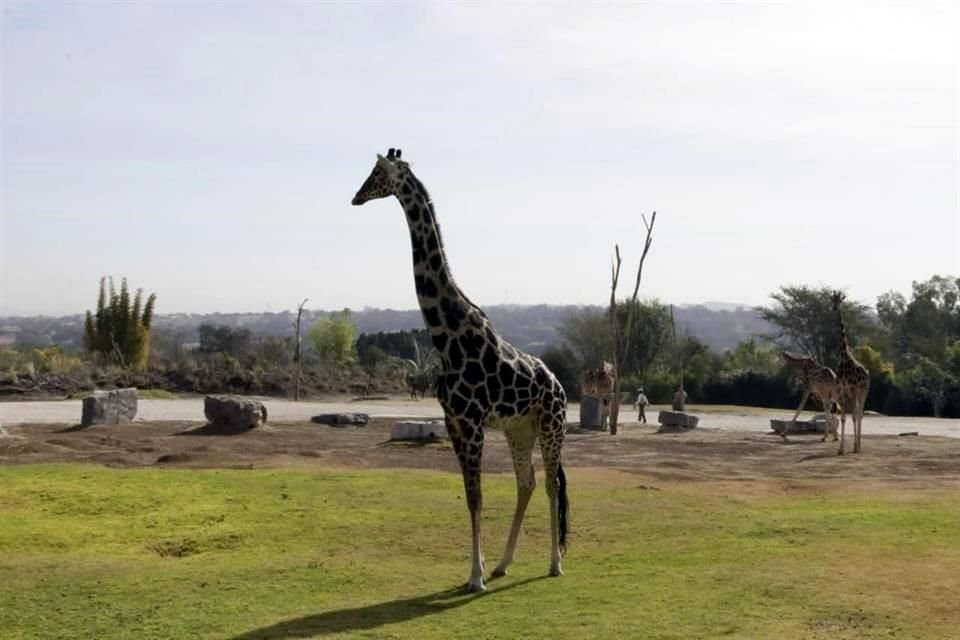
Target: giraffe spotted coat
[{"x": 484, "y": 382}]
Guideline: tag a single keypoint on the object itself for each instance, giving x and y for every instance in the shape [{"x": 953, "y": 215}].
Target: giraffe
[
  {"x": 600, "y": 382},
  {"x": 819, "y": 381},
  {"x": 484, "y": 381},
  {"x": 853, "y": 379}
]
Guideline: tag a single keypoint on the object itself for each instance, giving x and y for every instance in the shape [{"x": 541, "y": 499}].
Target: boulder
[
  {"x": 672, "y": 421},
  {"x": 235, "y": 412},
  {"x": 118, "y": 406},
  {"x": 817, "y": 425},
  {"x": 342, "y": 419},
  {"x": 418, "y": 430}
]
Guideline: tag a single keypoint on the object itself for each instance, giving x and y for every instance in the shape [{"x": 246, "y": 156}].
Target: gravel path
[{"x": 191, "y": 410}]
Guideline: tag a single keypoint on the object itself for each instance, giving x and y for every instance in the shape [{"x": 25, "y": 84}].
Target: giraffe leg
[
  {"x": 827, "y": 404},
  {"x": 521, "y": 440},
  {"x": 803, "y": 403},
  {"x": 467, "y": 442},
  {"x": 552, "y": 426},
  {"x": 859, "y": 401},
  {"x": 843, "y": 426},
  {"x": 833, "y": 424},
  {"x": 835, "y": 417}
]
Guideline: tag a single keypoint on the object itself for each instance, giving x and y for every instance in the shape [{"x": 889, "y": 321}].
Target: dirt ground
[{"x": 710, "y": 456}]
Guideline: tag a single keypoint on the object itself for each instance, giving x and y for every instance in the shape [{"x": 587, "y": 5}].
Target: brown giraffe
[
  {"x": 821, "y": 383},
  {"x": 484, "y": 381},
  {"x": 853, "y": 379},
  {"x": 600, "y": 382}
]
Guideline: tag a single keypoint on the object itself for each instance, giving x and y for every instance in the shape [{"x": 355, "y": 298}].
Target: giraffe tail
[{"x": 563, "y": 507}]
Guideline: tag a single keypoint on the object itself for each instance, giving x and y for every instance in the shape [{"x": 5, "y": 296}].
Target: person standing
[{"x": 641, "y": 405}]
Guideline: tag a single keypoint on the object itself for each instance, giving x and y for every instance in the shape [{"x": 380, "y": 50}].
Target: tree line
[{"x": 910, "y": 345}]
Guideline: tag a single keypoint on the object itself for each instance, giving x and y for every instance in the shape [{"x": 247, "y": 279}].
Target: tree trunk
[
  {"x": 621, "y": 340},
  {"x": 298, "y": 351}
]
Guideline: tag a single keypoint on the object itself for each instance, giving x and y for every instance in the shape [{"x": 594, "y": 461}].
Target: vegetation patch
[
  {"x": 333, "y": 553},
  {"x": 173, "y": 547}
]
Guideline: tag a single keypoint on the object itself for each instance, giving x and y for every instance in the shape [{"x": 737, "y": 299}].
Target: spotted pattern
[
  {"x": 818, "y": 381},
  {"x": 852, "y": 378},
  {"x": 485, "y": 382}
]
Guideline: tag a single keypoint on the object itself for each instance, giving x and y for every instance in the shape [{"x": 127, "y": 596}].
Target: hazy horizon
[
  {"x": 713, "y": 305},
  {"x": 209, "y": 151}
]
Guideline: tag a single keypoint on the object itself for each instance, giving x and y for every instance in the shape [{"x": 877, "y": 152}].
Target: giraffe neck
[
  {"x": 444, "y": 306},
  {"x": 846, "y": 353}
]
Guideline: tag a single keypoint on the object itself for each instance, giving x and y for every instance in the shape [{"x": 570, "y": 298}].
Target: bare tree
[
  {"x": 298, "y": 350},
  {"x": 678, "y": 351},
  {"x": 621, "y": 338}
]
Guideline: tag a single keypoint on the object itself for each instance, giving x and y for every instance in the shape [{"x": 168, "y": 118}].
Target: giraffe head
[
  {"x": 384, "y": 180},
  {"x": 797, "y": 360},
  {"x": 837, "y": 298},
  {"x": 810, "y": 370}
]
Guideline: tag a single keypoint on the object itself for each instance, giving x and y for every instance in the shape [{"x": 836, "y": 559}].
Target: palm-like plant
[{"x": 422, "y": 369}]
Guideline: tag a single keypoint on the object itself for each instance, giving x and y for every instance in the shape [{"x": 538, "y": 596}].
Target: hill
[{"x": 530, "y": 327}]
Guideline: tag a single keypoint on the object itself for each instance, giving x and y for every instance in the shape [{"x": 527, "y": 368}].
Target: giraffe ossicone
[{"x": 484, "y": 381}]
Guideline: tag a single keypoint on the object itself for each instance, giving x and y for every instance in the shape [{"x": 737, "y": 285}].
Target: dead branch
[
  {"x": 621, "y": 340},
  {"x": 298, "y": 350}
]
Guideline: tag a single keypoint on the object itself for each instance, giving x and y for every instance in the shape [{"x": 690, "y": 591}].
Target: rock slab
[
  {"x": 418, "y": 430},
  {"x": 342, "y": 419},
  {"x": 817, "y": 425},
  {"x": 235, "y": 412},
  {"x": 118, "y": 406},
  {"x": 677, "y": 421}
]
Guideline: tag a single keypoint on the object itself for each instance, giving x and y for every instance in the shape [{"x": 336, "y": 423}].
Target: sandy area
[
  {"x": 67, "y": 412},
  {"x": 718, "y": 456}
]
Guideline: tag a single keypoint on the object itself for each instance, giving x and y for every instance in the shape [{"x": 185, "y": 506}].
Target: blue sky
[{"x": 209, "y": 151}]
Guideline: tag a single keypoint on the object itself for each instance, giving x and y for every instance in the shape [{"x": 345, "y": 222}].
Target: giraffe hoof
[
  {"x": 556, "y": 572},
  {"x": 476, "y": 586},
  {"x": 499, "y": 572}
]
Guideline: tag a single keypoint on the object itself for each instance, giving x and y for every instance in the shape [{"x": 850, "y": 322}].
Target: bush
[
  {"x": 563, "y": 363},
  {"x": 750, "y": 388}
]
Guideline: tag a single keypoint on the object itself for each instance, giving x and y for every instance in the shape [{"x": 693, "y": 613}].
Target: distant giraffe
[
  {"x": 852, "y": 377},
  {"x": 600, "y": 382},
  {"x": 819, "y": 381}
]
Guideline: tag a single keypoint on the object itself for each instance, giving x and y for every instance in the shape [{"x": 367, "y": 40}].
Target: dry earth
[{"x": 708, "y": 457}]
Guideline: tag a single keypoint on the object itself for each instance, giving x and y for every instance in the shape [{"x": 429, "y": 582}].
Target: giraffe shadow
[{"x": 374, "y": 615}]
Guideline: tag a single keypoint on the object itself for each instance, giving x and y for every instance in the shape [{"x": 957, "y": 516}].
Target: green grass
[
  {"x": 155, "y": 394},
  {"x": 91, "y": 552}
]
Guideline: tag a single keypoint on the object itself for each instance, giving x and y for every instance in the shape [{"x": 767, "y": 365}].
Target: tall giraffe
[
  {"x": 819, "y": 381},
  {"x": 484, "y": 381},
  {"x": 852, "y": 377}
]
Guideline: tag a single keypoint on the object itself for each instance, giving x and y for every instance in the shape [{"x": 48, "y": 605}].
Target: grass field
[{"x": 92, "y": 552}]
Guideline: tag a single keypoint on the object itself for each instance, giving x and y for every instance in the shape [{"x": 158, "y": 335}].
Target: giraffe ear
[{"x": 398, "y": 154}]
